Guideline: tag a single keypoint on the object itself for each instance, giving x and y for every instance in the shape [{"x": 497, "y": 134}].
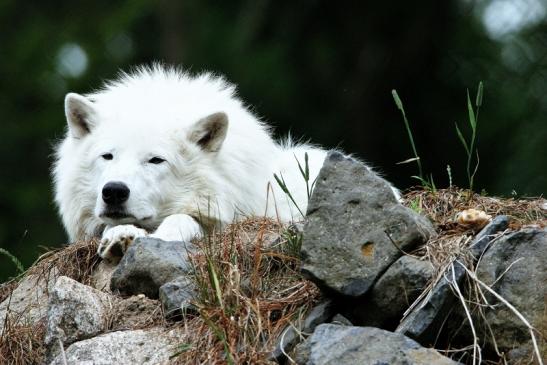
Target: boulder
[
  {"x": 28, "y": 302},
  {"x": 515, "y": 265},
  {"x": 176, "y": 297},
  {"x": 355, "y": 227},
  {"x": 146, "y": 347},
  {"x": 75, "y": 312},
  {"x": 425, "y": 320},
  {"x": 394, "y": 292},
  {"x": 345, "y": 345},
  {"x": 148, "y": 264}
]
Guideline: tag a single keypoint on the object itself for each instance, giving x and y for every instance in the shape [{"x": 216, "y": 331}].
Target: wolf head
[{"x": 139, "y": 147}]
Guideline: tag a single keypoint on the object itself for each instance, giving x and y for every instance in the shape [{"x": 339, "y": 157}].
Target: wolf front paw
[{"x": 116, "y": 240}]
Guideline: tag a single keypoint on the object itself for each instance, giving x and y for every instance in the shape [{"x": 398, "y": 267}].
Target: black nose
[{"x": 115, "y": 193}]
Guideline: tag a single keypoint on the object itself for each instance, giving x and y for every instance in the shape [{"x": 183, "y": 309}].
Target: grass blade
[
  {"x": 15, "y": 260},
  {"x": 478, "y": 101},
  {"x": 472, "y": 120},
  {"x": 460, "y": 135}
]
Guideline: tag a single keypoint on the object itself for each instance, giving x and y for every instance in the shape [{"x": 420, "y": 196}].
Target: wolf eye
[
  {"x": 156, "y": 160},
  {"x": 107, "y": 156}
]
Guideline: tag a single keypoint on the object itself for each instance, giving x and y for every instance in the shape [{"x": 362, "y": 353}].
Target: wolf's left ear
[
  {"x": 210, "y": 132},
  {"x": 79, "y": 115}
]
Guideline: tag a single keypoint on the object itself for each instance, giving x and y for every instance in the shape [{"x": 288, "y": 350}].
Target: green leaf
[
  {"x": 478, "y": 101},
  {"x": 460, "y": 135},
  {"x": 281, "y": 183},
  {"x": 398, "y": 101},
  {"x": 302, "y": 172},
  {"x": 472, "y": 121},
  {"x": 307, "y": 166}
]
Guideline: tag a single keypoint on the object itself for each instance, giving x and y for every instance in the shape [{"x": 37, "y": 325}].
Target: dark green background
[{"x": 322, "y": 69}]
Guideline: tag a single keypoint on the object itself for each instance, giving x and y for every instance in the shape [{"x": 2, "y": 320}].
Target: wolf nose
[{"x": 115, "y": 193}]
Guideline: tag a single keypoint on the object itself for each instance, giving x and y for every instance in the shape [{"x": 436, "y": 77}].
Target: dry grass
[
  {"x": 250, "y": 290},
  {"x": 453, "y": 239},
  {"x": 442, "y": 205},
  {"x": 75, "y": 261},
  {"x": 21, "y": 343}
]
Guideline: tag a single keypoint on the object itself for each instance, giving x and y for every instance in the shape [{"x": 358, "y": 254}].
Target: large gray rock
[
  {"x": 27, "y": 304},
  {"x": 355, "y": 227},
  {"x": 425, "y": 321},
  {"x": 75, "y": 312},
  {"x": 148, "y": 264},
  {"x": 146, "y": 347},
  {"x": 394, "y": 292},
  {"x": 524, "y": 254},
  {"x": 343, "y": 345},
  {"x": 176, "y": 297}
]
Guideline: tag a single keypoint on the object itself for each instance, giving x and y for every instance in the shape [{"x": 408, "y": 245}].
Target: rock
[
  {"x": 148, "y": 264},
  {"x": 523, "y": 254},
  {"x": 341, "y": 320},
  {"x": 75, "y": 312},
  {"x": 100, "y": 278},
  {"x": 424, "y": 322},
  {"x": 290, "y": 337},
  {"x": 394, "y": 292},
  {"x": 27, "y": 304},
  {"x": 344, "y": 345},
  {"x": 355, "y": 227},
  {"x": 176, "y": 297},
  {"x": 146, "y": 347},
  {"x": 484, "y": 237}
]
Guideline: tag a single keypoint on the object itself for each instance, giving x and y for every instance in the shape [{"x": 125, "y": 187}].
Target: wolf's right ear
[
  {"x": 79, "y": 115},
  {"x": 209, "y": 132}
]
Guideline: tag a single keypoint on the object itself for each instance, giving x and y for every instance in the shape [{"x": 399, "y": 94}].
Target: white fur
[{"x": 161, "y": 112}]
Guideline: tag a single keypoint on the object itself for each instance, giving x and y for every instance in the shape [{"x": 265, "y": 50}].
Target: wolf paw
[{"x": 116, "y": 240}]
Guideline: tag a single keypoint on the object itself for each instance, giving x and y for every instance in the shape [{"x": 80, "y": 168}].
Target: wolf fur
[{"x": 187, "y": 149}]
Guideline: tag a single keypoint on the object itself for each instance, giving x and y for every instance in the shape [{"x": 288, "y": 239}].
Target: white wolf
[{"x": 164, "y": 153}]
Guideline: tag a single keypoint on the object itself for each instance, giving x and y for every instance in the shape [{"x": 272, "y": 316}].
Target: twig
[
  {"x": 510, "y": 306},
  {"x": 468, "y": 314}
]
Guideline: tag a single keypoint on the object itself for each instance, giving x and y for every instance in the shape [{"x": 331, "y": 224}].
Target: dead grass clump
[
  {"x": 22, "y": 344},
  {"x": 443, "y": 205},
  {"x": 75, "y": 261},
  {"x": 6, "y": 289},
  {"x": 249, "y": 291}
]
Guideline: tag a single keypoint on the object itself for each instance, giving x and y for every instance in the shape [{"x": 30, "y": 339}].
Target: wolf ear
[
  {"x": 79, "y": 114},
  {"x": 210, "y": 132}
]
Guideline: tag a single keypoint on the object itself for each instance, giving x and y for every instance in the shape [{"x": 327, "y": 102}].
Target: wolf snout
[{"x": 115, "y": 193}]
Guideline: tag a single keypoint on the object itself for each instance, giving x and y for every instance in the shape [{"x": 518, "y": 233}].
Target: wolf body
[{"x": 164, "y": 153}]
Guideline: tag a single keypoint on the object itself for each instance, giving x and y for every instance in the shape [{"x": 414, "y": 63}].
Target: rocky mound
[{"x": 446, "y": 277}]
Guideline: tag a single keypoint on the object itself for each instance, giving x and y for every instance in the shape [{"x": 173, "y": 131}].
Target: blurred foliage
[{"x": 323, "y": 70}]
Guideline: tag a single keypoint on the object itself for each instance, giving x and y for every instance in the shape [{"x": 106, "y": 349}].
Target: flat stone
[
  {"x": 333, "y": 344},
  {"x": 355, "y": 228},
  {"x": 146, "y": 347},
  {"x": 148, "y": 264}
]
